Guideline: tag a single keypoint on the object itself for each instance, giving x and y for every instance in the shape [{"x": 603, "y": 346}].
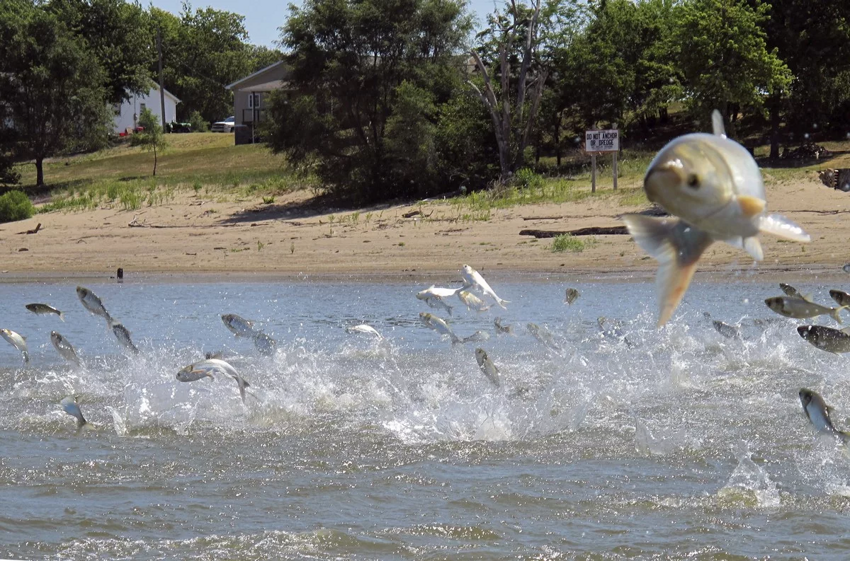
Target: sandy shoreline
[{"x": 201, "y": 239}]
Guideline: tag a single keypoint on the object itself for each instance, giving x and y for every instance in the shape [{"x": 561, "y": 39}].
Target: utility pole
[{"x": 161, "y": 83}]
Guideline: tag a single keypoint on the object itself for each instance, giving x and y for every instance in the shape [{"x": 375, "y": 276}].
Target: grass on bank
[
  {"x": 210, "y": 165},
  {"x": 206, "y": 163}
]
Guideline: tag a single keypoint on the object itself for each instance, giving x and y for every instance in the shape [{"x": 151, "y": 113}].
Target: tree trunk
[
  {"x": 154, "y": 160},
  {"x": 773, "y": 108},
  {"x": 558, "y": 141},
  {"x": 39, "y": 172}
]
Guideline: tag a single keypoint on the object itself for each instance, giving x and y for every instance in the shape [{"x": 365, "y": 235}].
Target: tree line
[
  {"x": 406, "y": 98},
  {"x": 64, "y": 65},
  {"x": 395, "y": 98}
]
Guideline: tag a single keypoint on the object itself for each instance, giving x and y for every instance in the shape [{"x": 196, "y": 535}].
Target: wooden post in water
[{"x": 593, "y": 172}]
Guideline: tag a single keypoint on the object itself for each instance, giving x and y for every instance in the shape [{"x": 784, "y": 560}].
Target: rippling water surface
[{"x": 627, "y": 442}]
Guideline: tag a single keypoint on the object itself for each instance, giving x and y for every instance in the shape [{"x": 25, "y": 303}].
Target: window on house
[
  {"x": 142, "y": 108},
  {"x": 116, "y": 109},
  {"x": 254, "y": 101}
]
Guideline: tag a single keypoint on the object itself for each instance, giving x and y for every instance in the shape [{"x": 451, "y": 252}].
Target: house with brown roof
[{"x": 250, "y": 95}]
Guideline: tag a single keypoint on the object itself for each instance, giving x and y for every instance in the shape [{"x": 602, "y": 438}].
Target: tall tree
[
  {"x": 724, "y": 59},
  {"x": 511, "y": 46},
  {"x": 203, "y": 51},
  {"x": 52, "y": 87},
  {"x": 116, "y": 32},
  {"x": 356, "y": 65},
  {"x": 813, "y": 39}
]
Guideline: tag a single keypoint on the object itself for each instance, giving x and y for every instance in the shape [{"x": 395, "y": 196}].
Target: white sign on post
[{"x": 602, "y": 141}]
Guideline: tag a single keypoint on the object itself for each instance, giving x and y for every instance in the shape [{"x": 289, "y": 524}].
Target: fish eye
[{"x": 693, "y": 181}]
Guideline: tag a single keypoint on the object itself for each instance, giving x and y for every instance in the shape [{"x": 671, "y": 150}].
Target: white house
[{"x": 127, "y": 115}]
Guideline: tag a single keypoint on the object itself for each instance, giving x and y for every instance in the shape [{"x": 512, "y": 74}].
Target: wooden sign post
[
  {"x": 599, "y": 141},
  {"x": 593, "y": 172}
]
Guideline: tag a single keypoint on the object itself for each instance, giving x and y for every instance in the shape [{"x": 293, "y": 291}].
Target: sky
[{"x": 264, "y": 17}]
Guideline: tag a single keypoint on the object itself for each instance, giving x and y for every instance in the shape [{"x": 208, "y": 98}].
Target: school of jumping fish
[{"x": 712, "y": 189}]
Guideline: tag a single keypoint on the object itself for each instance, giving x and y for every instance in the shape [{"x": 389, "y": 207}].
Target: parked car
[{"x": 225, "y": 125}]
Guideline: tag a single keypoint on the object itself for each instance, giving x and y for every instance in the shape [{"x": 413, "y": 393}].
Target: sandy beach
[{"x": 199, "y": 235}]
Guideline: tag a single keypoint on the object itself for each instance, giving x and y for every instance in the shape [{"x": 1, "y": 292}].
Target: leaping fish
[
  {"x": 439, "y": 325},
  {"x": 365, "y": 329},
  {"x": 44, "y": 309},
  {"x": 474, "y": 278},
  {"x": 712, "y": 185},
  {"x": 70, "y": 406},
  {"x": 487, "y": 367},
  {"x": 472, "y": 301},
  {"x": 17, "y": 341},
  {"x": 239, "y": 326},
  {"x": 435, "y": 297},
  {"x": 123, "y": 336},
  {"x": 64, "y": 348},
  {"x": 93, "y": 304}
]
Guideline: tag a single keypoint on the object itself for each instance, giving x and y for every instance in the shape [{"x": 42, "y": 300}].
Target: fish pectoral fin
[
  {"x": 717, "y": 124},
  {"x": 834, "y": 313},
  {"x": 753, "y": 247},
  {"x": 751, "y": 206},
  {"x": 677, "y": 247},
  {"x": 782, "y": 227}
]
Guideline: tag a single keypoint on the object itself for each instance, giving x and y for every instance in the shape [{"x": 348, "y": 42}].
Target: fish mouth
[{"x": 663, "y": 177}]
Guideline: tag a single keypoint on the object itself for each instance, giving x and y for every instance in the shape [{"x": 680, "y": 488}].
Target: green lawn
[{"x": 199, "y": 161}]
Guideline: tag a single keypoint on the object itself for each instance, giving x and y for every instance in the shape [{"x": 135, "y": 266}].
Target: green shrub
[
  {"x": 198, "y": 123},
  {"x": 15, "y": 205},
  {"x": 566, "y": 242}
]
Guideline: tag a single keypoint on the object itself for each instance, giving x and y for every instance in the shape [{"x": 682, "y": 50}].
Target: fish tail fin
[
  {"x": 26, "y": 357},
  {"x": 502, "y": 303},
  {"x": 450, "y": 310},
  {"x": 835, "y": 313},
  {"x": 677, "y": 247},
  {"x": 61, "y": 316},
  {"x": 753, "y": 247},
  {"x": 782, "y": 227},
  {"x": 81, "y": 422}
]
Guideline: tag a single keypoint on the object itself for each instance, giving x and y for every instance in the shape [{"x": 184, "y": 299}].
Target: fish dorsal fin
[
  {"x": 717, "y": 124},
  {"x": 807, "y": 298},
  {"x": 846, "y": 330}
]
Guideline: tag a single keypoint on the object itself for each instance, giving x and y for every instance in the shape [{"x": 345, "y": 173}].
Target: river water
[{"x": 623, "y": 443}]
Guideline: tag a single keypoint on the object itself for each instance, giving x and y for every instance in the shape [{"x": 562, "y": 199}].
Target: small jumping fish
[
  {"x": 543, "y": 335},
  {"x": 826, "y": 338},
  {"x": 472, "y": 301},
  {"x": 64, "y": 348},
  {"x": 44, "y": 309},
  {"x": 92, "y": 303},
  {"x": 240, "y": 327},
  {"x": 17, "y": 341},
  {"x": 439, "y": 325},
  {"x": 204, "y": 368},
  {"x": 264, "y": 344},
  {"x": 70, "y": 406},
  {"x": 365, "y": 329},
  {"x": 841, "y": 298},
  {"x": 503, "y": 329},
  {"x": 487, "y": 367},
  {"x": 799, "y": 309},
  {"x": 123, "y": 336},
  {"x": 473, "y": 278},
  {"x": 793, "y": 292},
  {"x": 728, "y": 331},
  {"x": 817, "y": 411}
]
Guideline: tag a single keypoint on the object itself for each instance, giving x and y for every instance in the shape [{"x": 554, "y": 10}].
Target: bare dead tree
[{"x": 513, "y": 119}]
